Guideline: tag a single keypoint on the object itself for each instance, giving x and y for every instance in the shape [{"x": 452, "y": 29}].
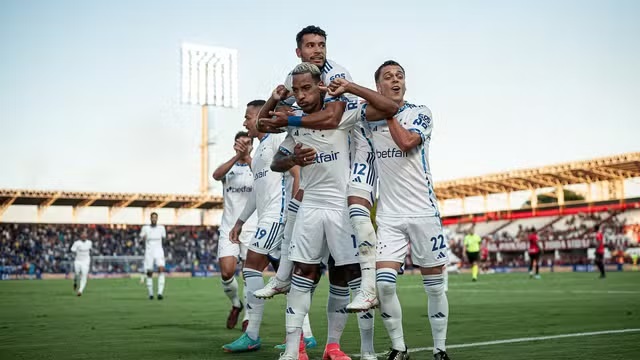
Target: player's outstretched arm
[
  {"x": 326, "y": 119},
  {"x": 379, "y": 107}
]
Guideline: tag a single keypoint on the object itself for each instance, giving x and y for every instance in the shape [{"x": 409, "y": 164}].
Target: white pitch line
[
  {"x": 455, "y": 289},
  {"x": 525, "y": 339},
  {"x": 553, "y": 291}
]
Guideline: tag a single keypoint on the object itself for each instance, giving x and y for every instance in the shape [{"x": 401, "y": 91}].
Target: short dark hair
[
  {"x": 311, "y": 29},
  {"x": 386, "y": 63},
  {"x": 241, "y": 134},
  {"x": 308, "y": 68},
  {"x": 257, "y": 103},
  {"x": 154, "y": 213}
]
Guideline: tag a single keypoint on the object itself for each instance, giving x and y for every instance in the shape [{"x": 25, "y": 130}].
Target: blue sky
[{"x": 89, "y": 91}]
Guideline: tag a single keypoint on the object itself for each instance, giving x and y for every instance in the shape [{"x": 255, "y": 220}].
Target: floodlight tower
[{"x": 209, "y": 78}]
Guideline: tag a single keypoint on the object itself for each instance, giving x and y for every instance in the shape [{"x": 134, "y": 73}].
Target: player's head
[
  {"x": 251, "y": 116},
  {"x": 84, "y": 234},
  {"x": 596, "y": 228},
  {"x": 243, "y": 137},
  {"x": 306, "y": 87},
  {"x": 154, "y": 218},
  {"x": 312, "y": 47},
  {"x": 390, "y": 80}
]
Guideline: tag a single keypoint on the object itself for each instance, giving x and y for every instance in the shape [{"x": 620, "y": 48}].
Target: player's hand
[
  {"x": 242, "y": 148},
  {"x": 337, "y": 87},
  {"x": 234, "y": 235},
  {"x": 280, "y": 93},
  {"x": 271, "y": 125},
  {"x": 304, "y": 157}
]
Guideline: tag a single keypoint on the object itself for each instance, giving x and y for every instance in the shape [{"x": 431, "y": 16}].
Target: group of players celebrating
[{"x": 326, "y": 145}]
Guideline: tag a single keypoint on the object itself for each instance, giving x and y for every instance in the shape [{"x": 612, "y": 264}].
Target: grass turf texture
[{"x": 115, "y": 320}]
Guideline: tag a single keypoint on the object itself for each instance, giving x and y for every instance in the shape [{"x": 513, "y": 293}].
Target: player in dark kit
[
  {"x": 600, "y": 251},
  {"x": 534, "y": 254}
]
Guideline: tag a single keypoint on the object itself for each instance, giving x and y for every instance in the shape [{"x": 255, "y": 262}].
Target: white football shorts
[{"x": 428, "y": 245}]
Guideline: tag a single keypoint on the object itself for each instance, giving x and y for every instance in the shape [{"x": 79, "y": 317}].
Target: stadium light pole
[{"x": 209, "y": 78}]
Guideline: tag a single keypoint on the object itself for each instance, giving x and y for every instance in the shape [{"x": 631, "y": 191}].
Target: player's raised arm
[
  {"x": 279, "y": 94},
  {"x": 329, "y": 117},
  {"x": 243, "y": 151},
  {"x": 326, "y": 119},
  {"x": 379, "y": 107}
]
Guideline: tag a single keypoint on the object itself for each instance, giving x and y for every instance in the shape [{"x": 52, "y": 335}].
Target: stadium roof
[
  {"x": 609, "y": 168},
  {"x": 82, "y": 199},
  {"x": 578, "y": 172}
]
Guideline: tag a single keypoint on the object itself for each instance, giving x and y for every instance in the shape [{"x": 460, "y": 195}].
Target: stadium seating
[{"x": 45, "y": 247}]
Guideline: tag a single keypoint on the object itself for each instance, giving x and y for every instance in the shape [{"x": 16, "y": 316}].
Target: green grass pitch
[{"x": 115, "y": 320}]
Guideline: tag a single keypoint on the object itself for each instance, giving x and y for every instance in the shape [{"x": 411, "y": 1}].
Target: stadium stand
[
  {"x": 568, "y": 236},
  {"x": 566, "y": 228},
  {"x": 33, "y": 248}
]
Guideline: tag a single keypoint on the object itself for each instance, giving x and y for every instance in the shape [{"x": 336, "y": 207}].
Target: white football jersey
[
  {"x": 153, "y": 236},
  {"x": 331, "y": 70},
  {"x": 325, "y": 181},
  {"x": 82, "y": 249},
  {"x": 237, "y": 188},
  {"x": 406, "y": 185},
  {"x": 270, "y": 187}
]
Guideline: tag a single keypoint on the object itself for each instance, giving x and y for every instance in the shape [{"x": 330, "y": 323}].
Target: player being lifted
[
  {"x": 82, "y": 264},
  {"x": 237, "y": 181},
  {"x": 323, "y": 220},
  {"x": 311, "y": 48},
  {"x": 269, "y": 197},
  {"x": 407, "y": 209},
  {"x": 153, "y": 235}
]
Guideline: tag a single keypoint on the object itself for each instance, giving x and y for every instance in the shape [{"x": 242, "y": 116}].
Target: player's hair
[
  {"x": 386, "y": 63},
  {"x": 311, "y": 29},
  {"x": 154, "y": 213},
  {"x": 256, "y": 103},
  {"x": 307, "y": 68},
  {"x": 241, "y": 134}
]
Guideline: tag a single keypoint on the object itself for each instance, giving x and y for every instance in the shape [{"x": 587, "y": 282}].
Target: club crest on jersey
[
  {"x": 326, "y": 157},
  {"x": 390, "y": 153},
  {"x": 260, "y": 174}
]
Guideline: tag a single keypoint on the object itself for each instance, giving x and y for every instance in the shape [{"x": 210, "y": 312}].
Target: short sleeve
[
  {"x": 353, "y": 116},
  {"x": 278, "y": 139},
  {"x": 287, "y": 145},
  {"x": 421, "y": 123}
]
